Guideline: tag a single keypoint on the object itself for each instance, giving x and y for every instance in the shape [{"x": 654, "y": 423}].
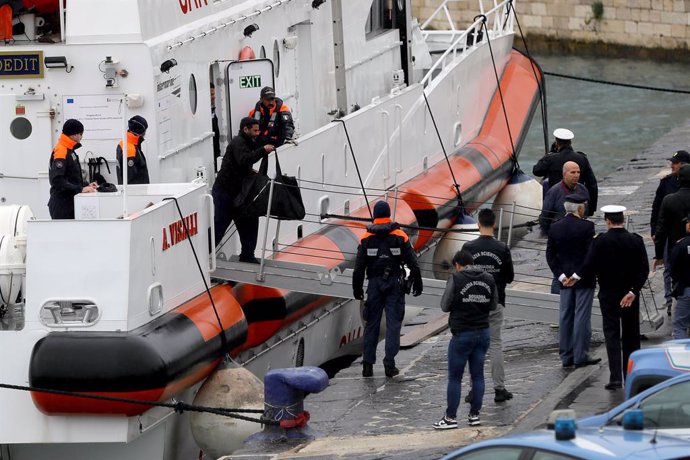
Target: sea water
[{"x": 611, "y": 123}]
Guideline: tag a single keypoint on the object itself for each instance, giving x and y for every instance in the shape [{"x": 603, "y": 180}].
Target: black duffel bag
[{"x": 287, "y": 199}]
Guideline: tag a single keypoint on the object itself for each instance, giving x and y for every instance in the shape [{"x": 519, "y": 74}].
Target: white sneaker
[
  {"x": 473, "y": 420},
  {"x": 446, "y": 423}
]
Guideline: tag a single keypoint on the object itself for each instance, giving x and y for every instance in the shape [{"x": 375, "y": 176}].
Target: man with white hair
[
  {"x": 551, "y": 165},
  {"x": 554, "y": 199},
  {"x": 569, "y": 241}
]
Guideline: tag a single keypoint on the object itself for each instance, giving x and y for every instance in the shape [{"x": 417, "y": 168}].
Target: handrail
[{"x": 459, "y": 41}]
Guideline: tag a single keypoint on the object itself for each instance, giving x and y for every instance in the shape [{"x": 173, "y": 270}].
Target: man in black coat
[
  {"x": 569, "y": 241},
  {"x": 551, "y": 165},
  {"x": 667, "y": 185},
  {"x": 674, "y": 208},
  {"x": 618, "y": 258},
  {"x": 241, "y": 154},
  {"x": 493, "y": 257},
  {"x": 679, "y": 260}
]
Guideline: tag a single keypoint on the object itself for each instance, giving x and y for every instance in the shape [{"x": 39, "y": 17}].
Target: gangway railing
[{"x": 500, "y": 18}]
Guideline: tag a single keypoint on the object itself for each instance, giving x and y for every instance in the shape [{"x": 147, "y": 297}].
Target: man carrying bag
[{"x": 232, "y": 191}]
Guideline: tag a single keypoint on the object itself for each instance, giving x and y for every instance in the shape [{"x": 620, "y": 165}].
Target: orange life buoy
[{"x": 247, "y": 54}]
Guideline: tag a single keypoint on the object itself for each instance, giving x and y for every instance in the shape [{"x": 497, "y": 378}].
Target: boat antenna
[
  {"x": 516, "y": 165},
  {"x": 445, "y": 154},
  {"x": 354, "y": 158}
]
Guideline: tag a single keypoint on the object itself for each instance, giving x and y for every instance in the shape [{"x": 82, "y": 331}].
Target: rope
[
  {"x": 223, "y": 339},
  {"x": 445, "y": 154},
  {"x": 516, "y": 165},
  {"x": 179, "y": 406},
  {"x": 614, "y": 83},
  {"x": 354, "y": 158}
]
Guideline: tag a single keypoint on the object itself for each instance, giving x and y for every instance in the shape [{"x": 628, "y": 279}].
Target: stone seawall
[{"x": 649, "y": 28}]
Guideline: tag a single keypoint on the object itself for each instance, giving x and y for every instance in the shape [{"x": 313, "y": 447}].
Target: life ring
[{"x": 247, "y": 54}]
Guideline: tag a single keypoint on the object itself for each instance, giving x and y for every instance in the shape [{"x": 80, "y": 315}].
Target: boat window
[
  {"x": 381, "y": 18},
  {"x": 192, "y": 93},
  {"x": 20, "y": 128},
  {"x": 276, "y": 57},
  {"x": 262, "y": 52}
]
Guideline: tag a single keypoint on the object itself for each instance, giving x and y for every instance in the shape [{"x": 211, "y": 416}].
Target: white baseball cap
[{"x": 563, "y": 134}]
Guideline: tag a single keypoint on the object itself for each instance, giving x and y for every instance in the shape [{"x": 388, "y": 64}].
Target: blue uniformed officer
[
  {"x": 679, "y": 261},
  {"x": 382, "y": 251},
  {"x": 65, "y": 174},
  {"x": 137, "y": 169},
  {"x": 667, "y": 185},
  {"x": 566, "y": 248},
  {"x": 618, "y": 258}
]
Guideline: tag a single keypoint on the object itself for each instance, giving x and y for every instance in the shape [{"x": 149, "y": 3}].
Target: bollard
[{"x": 284, "y": 393}]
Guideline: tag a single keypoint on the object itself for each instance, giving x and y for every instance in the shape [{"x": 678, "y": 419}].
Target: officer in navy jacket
[
  {"x": 65, "y": 174},
  {"x": 568, "y": 243},
  {"x": 679, "y": 261},
  {"x": 382, "y": 251}
]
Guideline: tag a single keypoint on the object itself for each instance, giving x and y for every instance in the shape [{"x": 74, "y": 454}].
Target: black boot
[
  {"x": 391, "y": 371},
  {"x": 367, "y": 370}
]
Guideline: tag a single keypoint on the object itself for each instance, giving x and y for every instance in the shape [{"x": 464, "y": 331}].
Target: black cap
[
  {"x": 137, "y": 125},
  {"x": 576, "y": 197},
  {"x": 381, "y": 209},
  {"x": 681, "y": 156},
  {"x": 268, "y": 92},
  {"x": 72, "y": 127}
]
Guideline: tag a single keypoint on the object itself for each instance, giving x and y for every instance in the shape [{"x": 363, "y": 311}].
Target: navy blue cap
[
  {"x": 576, "y": 197},
  {"x": 72, "y": 127},
  {"x": 381, "y": 209},
  {"x": 681, "y": 156}
]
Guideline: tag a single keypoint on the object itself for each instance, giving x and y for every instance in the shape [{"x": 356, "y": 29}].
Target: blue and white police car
[{"x": 649, "y": 366}]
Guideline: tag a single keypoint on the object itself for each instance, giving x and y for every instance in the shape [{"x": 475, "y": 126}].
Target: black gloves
[
  {"x": 417, "y": 287},
  {"x": 358, "y": 293}
]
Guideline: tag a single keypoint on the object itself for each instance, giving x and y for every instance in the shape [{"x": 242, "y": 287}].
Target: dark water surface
[{"x": 611, "y": 124}]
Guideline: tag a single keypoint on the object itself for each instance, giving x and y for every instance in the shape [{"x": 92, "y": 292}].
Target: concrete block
[
  {"x": 658, "y": 5},
  {"x": 679, "y": 31},
  {"x": 583, "y": 11},
  {"x": 613, "y": 26},
  {"x": 539, "y": 9},
  {"x": 645, "y": 28},
  {"x": 630, "y": 27},
  {"x": 655, "y": 16},
  {"x": 547, "y": 22},
  {"x": 679, "y": 6},
  {"x": 566, "y": 9},
  {"x": 636, "y": 15},
  {"x": 662, "y": 29},
  {"x": 645, "y": 4},
  {"x": 575, "y": 23},
  {"x": 624, "y": 14},
  {"x": 531, "y": 21},
  {"x": 674, "y": 18}
]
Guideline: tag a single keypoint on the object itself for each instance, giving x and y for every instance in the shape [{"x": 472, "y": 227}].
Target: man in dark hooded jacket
[{"x": 382, "y": 251}]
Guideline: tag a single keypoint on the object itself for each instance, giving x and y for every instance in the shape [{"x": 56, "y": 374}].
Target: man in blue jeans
[{"x": 469, "y": 297}]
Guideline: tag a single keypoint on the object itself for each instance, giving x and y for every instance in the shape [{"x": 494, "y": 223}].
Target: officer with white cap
[
  {"x": 618, "y": 258},
  {"x": 551, "y": 165}
]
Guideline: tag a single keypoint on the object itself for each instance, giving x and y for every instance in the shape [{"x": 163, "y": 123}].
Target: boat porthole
[
  {"x": 192, "y": 93},
  {"x": 299, "y": 357},
  {"x": 276, "y": 58},
  {"x": 262, "y": 52},
  {"x": 21, "y": 128}
]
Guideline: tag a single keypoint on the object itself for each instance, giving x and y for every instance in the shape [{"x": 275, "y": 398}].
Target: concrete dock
[{"x": 381, "y": 418}]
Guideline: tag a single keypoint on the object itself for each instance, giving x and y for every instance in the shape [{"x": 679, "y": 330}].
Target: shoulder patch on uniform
[
  {"x": 59, "y": 164},
  {"x": 130, "y": 163}
]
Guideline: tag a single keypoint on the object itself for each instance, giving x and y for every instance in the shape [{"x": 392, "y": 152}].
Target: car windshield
[{"x": 668, "y": 408}]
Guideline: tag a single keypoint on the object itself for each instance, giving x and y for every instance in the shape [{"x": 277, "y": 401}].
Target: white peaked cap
[
  {"x": 613, "y": 209},
  {"x": 564, "y": 134}
]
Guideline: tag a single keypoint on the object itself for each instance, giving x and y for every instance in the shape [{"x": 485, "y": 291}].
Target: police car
[
  {"x": 666, "y": 409},
  {"x": 649, "y": 366},
  {"x": 654, "y": 425}
]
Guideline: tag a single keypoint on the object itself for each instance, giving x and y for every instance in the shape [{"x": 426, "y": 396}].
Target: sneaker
[
  {"x": 502, "y": 395},
  {"x": 473, "y": 419},
  {"x": 391, "y": 371},
  {"x": 468, "y": 398},
  {"x": 446, "y": 423},
  {"x": 367, "y": 370}
]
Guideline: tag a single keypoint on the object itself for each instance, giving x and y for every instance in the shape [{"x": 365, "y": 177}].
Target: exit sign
[{"x": 250, "y": 81}]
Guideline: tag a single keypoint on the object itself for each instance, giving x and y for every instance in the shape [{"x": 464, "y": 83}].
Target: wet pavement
[{"x": 381, "y": 418}]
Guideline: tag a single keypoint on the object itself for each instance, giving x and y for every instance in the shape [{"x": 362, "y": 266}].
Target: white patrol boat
[{"x": 119, "y": 302}]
